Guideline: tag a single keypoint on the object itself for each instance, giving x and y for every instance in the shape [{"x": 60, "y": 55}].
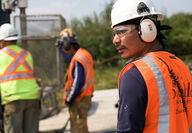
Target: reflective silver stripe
[
  {"x": 164, "y": 114},
  {"x": 71, "y": 92},
  {"x": 87, "y": 76},
  {"x": 27, "y": 65},
  {"x": 16, "y": 76},
  {"x": 89, "y": 82},
  {"x": 17, "y": 61},
  {"x": 190, "y": 129},
  {"x": 9, "y": 51}
]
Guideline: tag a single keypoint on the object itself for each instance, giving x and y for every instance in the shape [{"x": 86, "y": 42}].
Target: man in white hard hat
[
  {"x": 155, "y": 86},
  {"x": 19, "y": 91}
]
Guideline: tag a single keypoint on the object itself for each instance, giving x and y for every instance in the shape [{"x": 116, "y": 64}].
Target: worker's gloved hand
[
  {"x": 57, "y": 44},
  {"x": 65, "y": 100}
]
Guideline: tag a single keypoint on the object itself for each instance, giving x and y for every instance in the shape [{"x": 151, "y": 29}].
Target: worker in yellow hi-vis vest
[{"x": 20, "y": 93}]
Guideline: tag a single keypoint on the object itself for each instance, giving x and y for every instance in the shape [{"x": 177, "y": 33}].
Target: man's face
[
  {"x": 69, "y": 52},
  {"x": 127, "y": 41}
]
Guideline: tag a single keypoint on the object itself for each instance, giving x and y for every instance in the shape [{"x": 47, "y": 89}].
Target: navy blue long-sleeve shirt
[
  {"x": 66, "y": 56},
  {"x": 133, "y": 102},
  {"x": 78, "y": 82}
]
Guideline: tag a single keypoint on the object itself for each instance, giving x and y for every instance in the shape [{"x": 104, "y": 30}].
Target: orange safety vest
[
  {"x": 19, "y": 59},
  {"x": 85, "y": 58},
  {"x": 163, "y": 73}
]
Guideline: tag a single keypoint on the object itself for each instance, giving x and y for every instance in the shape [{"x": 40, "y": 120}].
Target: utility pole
[
  {"x": 23, "y": 26},
  {"x": 60, "y": 64},
  {"x": 22, "y": 5}
]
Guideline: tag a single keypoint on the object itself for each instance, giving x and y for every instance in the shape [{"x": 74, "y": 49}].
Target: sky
[{"x": 80, "y": 8}]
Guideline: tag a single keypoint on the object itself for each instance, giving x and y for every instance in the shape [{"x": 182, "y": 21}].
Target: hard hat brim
[
  {"x": 12, "y": 38},
  {"x": 1, "y": 38}
]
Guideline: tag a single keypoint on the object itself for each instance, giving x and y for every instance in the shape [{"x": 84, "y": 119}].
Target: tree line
[{"x": 95, "y": 34}]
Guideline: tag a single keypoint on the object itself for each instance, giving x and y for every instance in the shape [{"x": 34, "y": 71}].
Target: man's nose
[{"x": 116, "y": 40}]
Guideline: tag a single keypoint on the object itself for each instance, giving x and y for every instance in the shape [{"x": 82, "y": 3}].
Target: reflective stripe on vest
[
  {"x": 87, "y": 76},
  {"x": 163, "y": 119},
  {"x": 16, "y": 76},
  {"x": 13, "y": 54},
  {"x": 9, "y": 74}
]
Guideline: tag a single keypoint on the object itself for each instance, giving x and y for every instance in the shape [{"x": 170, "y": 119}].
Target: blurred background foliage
[{"x": 95, "y": 34}]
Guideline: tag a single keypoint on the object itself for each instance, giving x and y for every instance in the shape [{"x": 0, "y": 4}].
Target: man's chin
[{"x": 124, "y": 56}]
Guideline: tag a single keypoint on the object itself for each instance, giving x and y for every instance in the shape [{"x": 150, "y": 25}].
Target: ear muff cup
[
  {"x": 147, "y": 30},
  {"x": 66, "y": 44}
]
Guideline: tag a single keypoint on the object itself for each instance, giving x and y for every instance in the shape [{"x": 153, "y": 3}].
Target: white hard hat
[
  {"x": 8, "y": 33},
  {"x": 124, "y": 10}
]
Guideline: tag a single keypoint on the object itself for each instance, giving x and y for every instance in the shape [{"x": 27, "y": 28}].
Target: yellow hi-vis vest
[{"x": 17, "y": 81}]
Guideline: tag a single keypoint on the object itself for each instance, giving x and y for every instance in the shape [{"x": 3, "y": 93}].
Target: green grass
[
  {"x": 106, "y": 77},
  {"x": 187, "y": 60}
]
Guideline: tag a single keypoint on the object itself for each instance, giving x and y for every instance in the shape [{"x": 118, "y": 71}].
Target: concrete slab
[{"x": 102, "y": 117}]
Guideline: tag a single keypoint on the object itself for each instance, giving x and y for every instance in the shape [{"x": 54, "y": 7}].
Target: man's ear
[
  {"x": 1, "y": 44},
  {"x": 5, "y": 43}
]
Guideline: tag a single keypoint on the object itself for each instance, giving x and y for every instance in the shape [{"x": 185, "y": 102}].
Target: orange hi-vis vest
[
  {"x": 17, "y": 80},
  {"x": 85, "y": 58},
  {"x": 169, "y": 86}
]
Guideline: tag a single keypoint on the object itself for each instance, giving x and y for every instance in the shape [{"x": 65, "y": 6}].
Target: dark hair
[{"x": 76, "y": 46}]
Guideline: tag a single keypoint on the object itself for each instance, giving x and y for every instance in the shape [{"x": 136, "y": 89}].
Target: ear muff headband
[{"x": 147, "y": 30}]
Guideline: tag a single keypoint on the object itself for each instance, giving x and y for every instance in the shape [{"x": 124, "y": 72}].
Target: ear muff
[
  {"x": 147, "y": 30},
  {"x": 66, "y": 44}
]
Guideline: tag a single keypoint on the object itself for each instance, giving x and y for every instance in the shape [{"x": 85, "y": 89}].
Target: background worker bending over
[{"x": 79, "y": 85}]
